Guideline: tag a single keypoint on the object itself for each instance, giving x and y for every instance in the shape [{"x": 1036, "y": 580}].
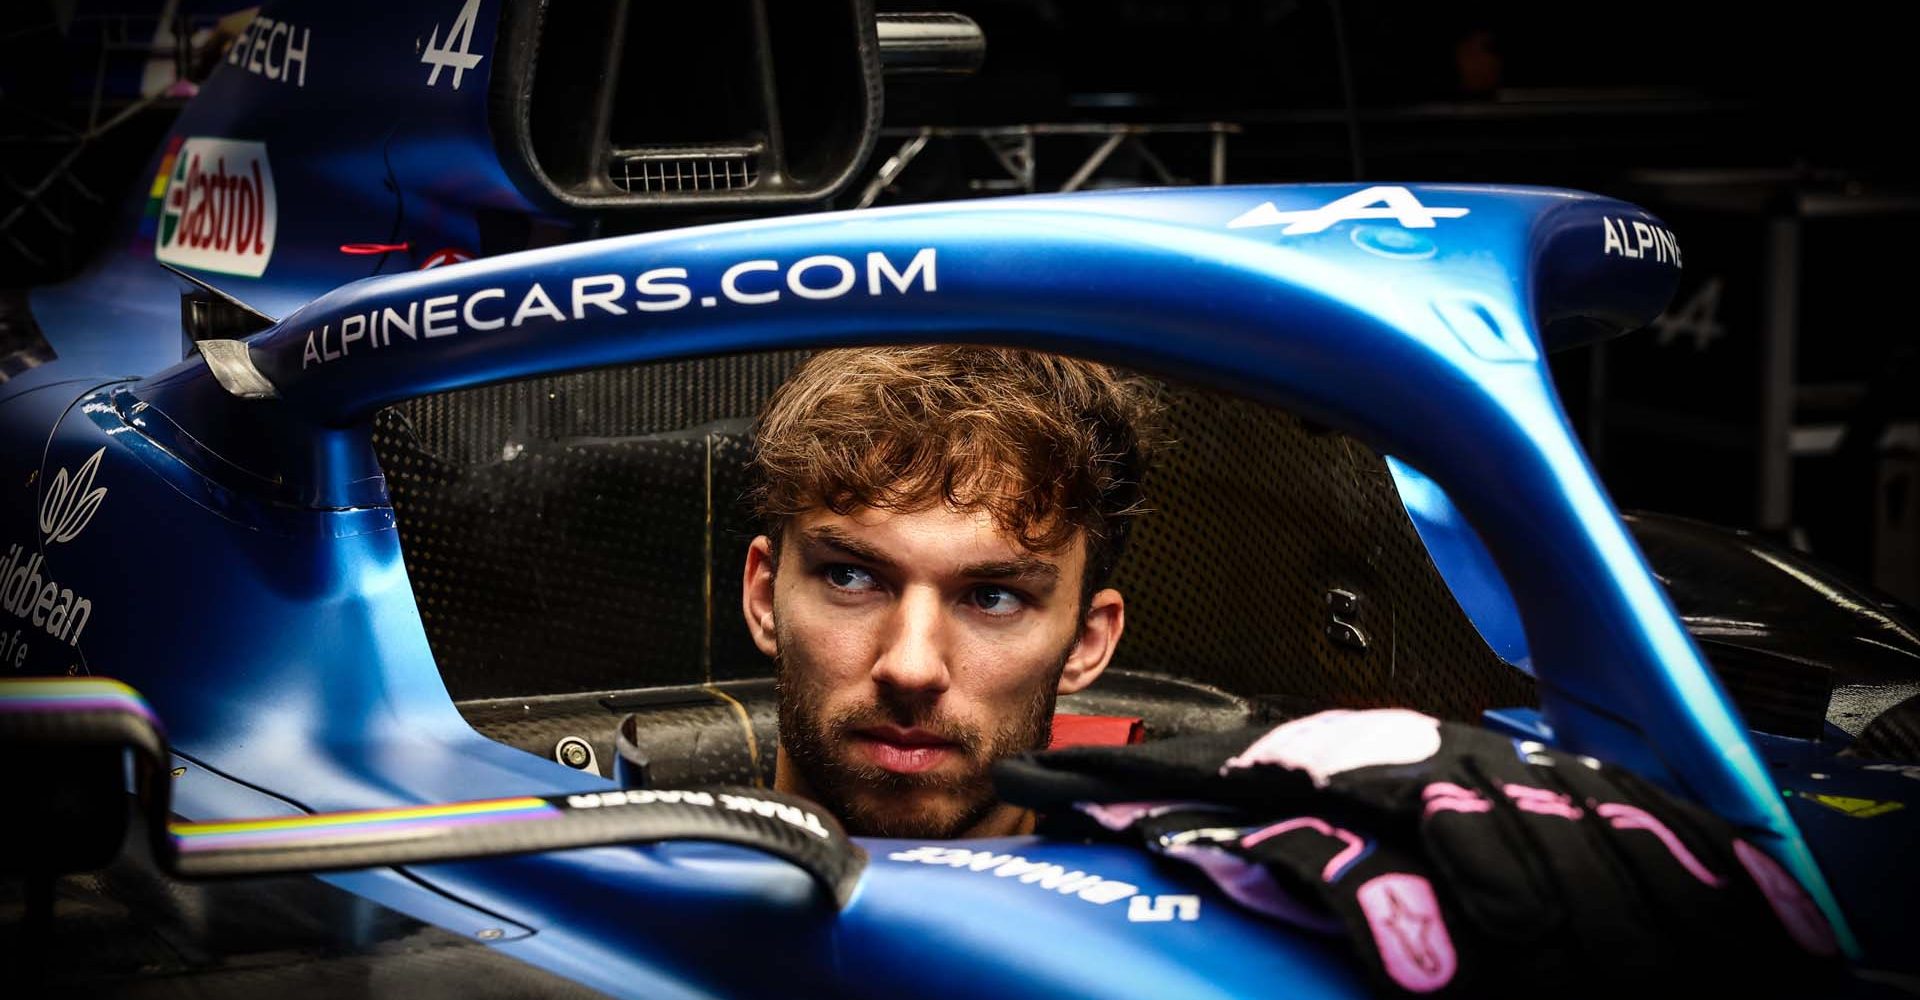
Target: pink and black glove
[{"x": 1459, "y": 862}]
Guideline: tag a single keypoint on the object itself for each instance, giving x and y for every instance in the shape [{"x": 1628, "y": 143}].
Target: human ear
[
  {"x": 756, "y": 595},
  {"x": 1100, "y": 632}
]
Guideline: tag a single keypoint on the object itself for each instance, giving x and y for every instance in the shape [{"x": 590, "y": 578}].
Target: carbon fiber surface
[
  {"x": 560, "y": 533},
  {"x": 694, "y": 735},
  {"x": 1894, "y": 735},
  {"x": 565, "y": 535},
  {"x": 1259, "y": 522}
]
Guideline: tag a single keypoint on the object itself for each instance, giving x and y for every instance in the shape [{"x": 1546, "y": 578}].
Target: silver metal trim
[
  {"x": 232, "y": 367},
  {"x": 592, "y": 763},
  {"x": 929, "y": 42}
]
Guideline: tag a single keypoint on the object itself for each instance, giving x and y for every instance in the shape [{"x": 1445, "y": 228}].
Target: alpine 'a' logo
[
  {"x": 71, "y": 501},
  {"x": 454, "y": 53},
  {"x": 1383, "y": 201}
]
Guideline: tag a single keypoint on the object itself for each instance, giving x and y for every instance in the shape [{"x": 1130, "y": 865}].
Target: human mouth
[{"x": 903, "y": 751}]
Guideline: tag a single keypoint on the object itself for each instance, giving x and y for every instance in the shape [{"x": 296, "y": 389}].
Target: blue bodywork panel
[
  {"x": 1465, "y": 563},
  {"x": 283, "y": 647},
  {"x": 236, "y": 559}
]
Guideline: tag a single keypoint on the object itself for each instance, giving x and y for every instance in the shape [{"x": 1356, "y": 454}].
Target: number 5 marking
[{"x": 1161, "y": 909}]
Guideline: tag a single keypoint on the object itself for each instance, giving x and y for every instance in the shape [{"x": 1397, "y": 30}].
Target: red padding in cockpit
[{"x": 1096, "y": 731}]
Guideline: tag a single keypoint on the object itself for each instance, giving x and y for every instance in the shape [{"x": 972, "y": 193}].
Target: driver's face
[{"x": 914, "y": 650}]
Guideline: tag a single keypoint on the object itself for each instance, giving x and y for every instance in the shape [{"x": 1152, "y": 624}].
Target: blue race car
[{"x": 401, "y": 509}]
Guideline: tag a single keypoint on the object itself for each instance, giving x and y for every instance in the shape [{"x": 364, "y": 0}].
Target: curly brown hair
[{"x": 1048, "y": 446}]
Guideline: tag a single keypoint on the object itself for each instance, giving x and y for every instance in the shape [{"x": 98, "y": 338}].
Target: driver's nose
[{"x": 912, "y": 655}]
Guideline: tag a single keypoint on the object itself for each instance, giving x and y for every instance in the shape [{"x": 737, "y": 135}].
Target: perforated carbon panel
[
  {"x": 559, "y": 533},
  {"x": 564, "y": 535},
  {"x": 1258, "y": 519}
]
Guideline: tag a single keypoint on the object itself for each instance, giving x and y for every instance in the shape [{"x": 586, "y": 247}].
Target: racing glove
[{"x": 1457, "y": 861}]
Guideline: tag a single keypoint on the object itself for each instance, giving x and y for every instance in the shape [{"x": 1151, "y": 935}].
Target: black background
[{"x": 1723, "y": 119}]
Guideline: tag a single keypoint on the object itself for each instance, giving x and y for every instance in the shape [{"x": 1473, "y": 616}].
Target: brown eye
[{"x": 996, "y": 600}]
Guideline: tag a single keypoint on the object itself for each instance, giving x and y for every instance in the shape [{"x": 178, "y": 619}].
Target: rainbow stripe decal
[
  {"x": 360, "y": 825},
  {"x": 143, "y": 239},
  {"x": 72, "y": 694}
]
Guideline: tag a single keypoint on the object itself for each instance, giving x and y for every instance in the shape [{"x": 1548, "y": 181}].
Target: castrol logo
[{"x": 219, "y": 212}]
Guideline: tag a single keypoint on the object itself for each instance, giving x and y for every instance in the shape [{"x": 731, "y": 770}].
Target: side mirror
[
  {"x": 68, "y": 741},
  {"x": 76, "y": 738}
]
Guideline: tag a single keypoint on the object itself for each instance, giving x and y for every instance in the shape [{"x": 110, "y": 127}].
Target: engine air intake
[
  {"x": 650, "y": 173},
  {"x": 722, "y": 104}
]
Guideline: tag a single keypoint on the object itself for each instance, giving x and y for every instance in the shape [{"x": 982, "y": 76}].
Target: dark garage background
[{"x": 1778, "y": 394}]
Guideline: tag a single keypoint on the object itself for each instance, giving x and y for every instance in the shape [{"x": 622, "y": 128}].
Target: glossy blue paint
[
  {"x": 411, "y": 163},
  {"x": 1519, "y": 723},
  {"x": 303, "y": 676},
  {"x": 1155, "y": 280},
  {"x": 1464, "y": 562},
  {"x": 314, "y": 680},
  {"x": 361, "y": 148},
  {"x": 200, "y": 791},
  {"x": 1866, "y": 854},
  {"x": 242, "y": 568}
]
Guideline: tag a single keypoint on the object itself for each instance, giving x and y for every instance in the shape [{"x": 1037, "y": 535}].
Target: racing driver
[{"x": 942, "y": 523}]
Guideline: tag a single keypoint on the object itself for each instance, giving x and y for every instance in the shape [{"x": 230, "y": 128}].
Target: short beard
[{"x": 875, "y": 802}]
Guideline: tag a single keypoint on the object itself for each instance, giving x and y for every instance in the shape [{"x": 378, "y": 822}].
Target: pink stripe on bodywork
[
  {"x": 1355, "y": 845},
  {"x": 1626, "y": 817}
]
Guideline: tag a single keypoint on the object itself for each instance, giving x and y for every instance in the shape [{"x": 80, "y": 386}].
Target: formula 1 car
[{"x": 314, "y": 467}]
